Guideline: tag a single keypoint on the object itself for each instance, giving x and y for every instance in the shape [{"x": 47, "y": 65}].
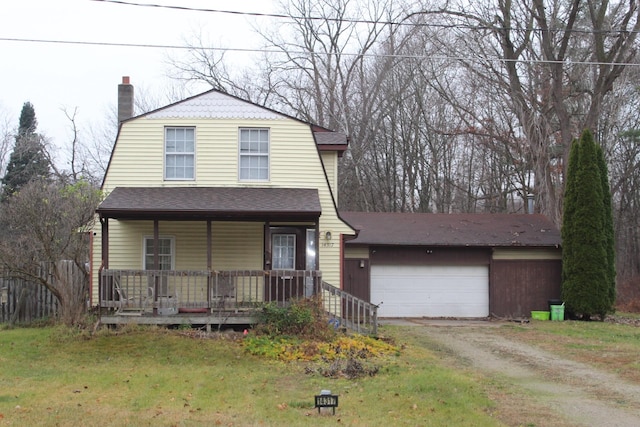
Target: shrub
[{"x": 304, "y": 318}]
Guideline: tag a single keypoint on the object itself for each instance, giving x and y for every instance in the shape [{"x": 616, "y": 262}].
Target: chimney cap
[{"x": 125, "y": 80}]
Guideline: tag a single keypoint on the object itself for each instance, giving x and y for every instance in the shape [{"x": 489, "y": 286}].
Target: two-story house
[{"x": 214, "y": 205}]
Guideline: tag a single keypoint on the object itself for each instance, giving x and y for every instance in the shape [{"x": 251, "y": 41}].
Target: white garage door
[{"x": 430, "y": 291}]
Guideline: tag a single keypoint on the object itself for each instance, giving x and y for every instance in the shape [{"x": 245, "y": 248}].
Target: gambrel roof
[{"x": 218, "y": 105}]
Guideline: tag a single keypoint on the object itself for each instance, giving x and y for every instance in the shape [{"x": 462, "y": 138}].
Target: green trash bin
[{"x": 557, "y": 312}]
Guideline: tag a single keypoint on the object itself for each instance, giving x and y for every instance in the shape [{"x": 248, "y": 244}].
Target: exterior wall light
[{"x": 327, "y": 235}]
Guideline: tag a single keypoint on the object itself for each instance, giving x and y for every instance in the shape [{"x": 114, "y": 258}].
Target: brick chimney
[{"x": 125, "y": 100}]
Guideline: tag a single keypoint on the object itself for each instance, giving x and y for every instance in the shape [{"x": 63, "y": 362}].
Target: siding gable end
[{"x": 215, "y": 105}]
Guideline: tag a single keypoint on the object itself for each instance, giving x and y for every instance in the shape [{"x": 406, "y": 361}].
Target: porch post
[
  {"x": 267, "y": 246},
  {"x": 156, "y": 241},
  {"x": 209, "y": 263},
  {"x": 209, "y": 247},
  {"x": 317, "y": 245},
  {"x": 104, "y": 222},
  {"x": 156, "y": 264},
  {"x": 316, "y": 281},
  {"x": 267, "y": 262}
]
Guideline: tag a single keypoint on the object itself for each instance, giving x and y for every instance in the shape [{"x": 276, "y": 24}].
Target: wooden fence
[{"x": 25, "y": 301}]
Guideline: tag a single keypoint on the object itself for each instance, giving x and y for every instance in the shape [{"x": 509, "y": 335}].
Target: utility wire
[
  {"x": 302, "y": 52},
  {"x": 403, "y": 22}
]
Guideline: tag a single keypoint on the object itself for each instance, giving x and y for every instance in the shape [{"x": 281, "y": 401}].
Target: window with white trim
[
  {"x": 165, "y": 261},
  {"x": 179, "y": 153},
  {"x": 165, "y": 253},
  {"x": 254, "y": 154}
]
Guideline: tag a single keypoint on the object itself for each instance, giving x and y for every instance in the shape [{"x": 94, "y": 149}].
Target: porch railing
[
  {"x": 349, "y": 311},
  {"x": 167, "y": 292}
]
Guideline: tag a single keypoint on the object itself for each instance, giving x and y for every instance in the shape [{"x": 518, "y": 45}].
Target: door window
[{"x": 284, "y": 251}]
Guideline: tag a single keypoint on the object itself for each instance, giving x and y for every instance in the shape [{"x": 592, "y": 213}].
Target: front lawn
[{"x": 157, "y": 377}]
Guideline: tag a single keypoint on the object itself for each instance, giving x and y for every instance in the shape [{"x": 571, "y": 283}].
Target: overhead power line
[
  {"x": 135, "y": 45},
  {"x": 302, "y": 52},
  {"x": 403, "y": 22}
]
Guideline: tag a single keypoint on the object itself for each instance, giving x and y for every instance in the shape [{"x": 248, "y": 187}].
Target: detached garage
[{"x": 453, "y": 265}]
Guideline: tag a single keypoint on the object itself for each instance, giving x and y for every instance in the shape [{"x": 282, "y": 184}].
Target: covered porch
[
  {"x": 198, "y": 297},
  {"x": 205, "y": 255},
  {"x": 213, "y": 255}
]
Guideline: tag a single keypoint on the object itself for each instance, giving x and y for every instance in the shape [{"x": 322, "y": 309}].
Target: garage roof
[{"x": 426, "y": 229}]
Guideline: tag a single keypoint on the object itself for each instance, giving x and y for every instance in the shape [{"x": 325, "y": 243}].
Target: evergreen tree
[
  {"x": 586, "y": 274},
  {"x": 608, "y": 228},
  {"x": 28, "y": 122},
  {"x": 569, "y": 210},
  {"x": 28, "y": 160}
]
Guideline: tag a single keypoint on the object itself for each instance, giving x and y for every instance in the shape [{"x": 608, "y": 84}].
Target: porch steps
[{"x": 349, "y": 312}]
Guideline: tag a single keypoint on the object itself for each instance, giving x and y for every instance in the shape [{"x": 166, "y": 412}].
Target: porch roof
[{"x": 218, "y": 203}]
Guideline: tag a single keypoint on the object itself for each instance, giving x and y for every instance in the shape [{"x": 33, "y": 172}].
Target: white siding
[{"x": 330, "y": 162}]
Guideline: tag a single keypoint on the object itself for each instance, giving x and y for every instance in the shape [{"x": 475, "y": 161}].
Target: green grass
[
  {"x": 589, "y": 334},
  {"x": 157, "y": 377},
  {"x": 609, "y": 346}
]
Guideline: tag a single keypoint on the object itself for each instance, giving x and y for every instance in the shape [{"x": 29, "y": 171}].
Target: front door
[{"x": 288, "y": 250}]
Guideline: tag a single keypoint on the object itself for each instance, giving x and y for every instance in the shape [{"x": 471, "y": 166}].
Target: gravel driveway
[{"x": 567, "y": 393}]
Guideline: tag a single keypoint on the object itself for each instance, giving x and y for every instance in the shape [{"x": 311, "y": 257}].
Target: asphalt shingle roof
[
  {"x": 211, "y": 202},
  {"x": 418, "y": 229},
  {"x": 330, "y": 138}
]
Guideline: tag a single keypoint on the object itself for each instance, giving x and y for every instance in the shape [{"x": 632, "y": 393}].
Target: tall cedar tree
[
  {"x": 28, "y": 160},
  {"x": 586, "y": 274},
  {"x": 608, "y": 225},
  {"x": 569, "y": 210}
]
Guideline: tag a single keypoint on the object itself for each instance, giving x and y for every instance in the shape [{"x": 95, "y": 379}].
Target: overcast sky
[{"x": 53, "y": 76}]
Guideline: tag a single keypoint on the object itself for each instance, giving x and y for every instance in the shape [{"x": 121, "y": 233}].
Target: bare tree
[
  {"x": 89, "y": 147},
  {"x": 6, "y": 140},
  {"x": 46, "y": 222},
  {"x": 554, "y": 62}
]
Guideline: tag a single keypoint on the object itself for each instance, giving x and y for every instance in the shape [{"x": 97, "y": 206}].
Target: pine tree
[
  {"x": 28, "y": 160},
  {"x": 28, "y": 122},
  {"x": 586, "y": 275}
]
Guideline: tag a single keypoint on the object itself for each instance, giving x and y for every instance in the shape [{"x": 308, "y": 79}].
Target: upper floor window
[
  {"x": 179, "y": 152},
  {"x": 254, "y": 154}
]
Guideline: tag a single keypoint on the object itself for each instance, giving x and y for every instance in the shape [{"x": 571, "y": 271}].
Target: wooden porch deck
[
  {"x": 207, "y": 320},
  {"x": 208, "y": 298}
]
